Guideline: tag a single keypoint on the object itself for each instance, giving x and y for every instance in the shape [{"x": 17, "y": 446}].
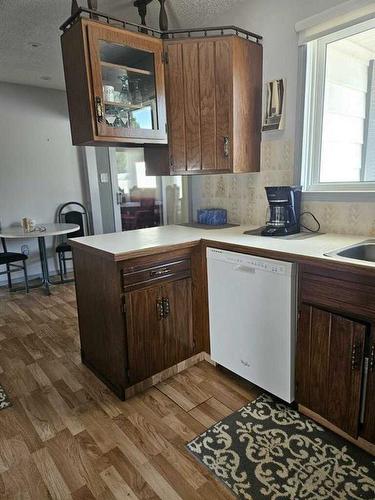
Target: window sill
[{"x": 339, "y": 196}]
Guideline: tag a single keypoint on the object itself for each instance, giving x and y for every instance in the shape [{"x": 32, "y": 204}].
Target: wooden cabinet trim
[{"x": 96, "y": 32}]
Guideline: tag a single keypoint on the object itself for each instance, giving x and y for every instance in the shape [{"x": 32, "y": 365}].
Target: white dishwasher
[{"x": 252, "y": 311}]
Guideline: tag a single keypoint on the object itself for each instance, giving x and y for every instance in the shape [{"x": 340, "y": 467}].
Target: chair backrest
[
  {"x": 75, "y": 217},
  {"x": 4, "y": 245}
]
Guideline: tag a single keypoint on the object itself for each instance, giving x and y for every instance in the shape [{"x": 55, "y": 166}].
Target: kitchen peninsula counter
[
  {"x": 302, "y": 247},
  {"x": 143, "y": 300}
]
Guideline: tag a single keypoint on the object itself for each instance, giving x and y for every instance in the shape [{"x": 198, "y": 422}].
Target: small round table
[{"x": 17, "y": 232}]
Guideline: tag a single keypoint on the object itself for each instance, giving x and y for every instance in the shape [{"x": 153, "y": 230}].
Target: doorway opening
[{"x": 147, "y": 201}]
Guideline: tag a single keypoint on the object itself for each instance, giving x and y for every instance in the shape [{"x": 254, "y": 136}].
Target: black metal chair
[
  {"x": 71, "y": 217},
  {"x": 8, "y": 259}
]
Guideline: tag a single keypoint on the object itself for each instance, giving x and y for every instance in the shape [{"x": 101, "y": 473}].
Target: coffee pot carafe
[{"x": 284, "y": 210}]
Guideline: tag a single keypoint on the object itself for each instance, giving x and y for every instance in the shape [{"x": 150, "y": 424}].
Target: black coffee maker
[{"x": 284, "y": 210}]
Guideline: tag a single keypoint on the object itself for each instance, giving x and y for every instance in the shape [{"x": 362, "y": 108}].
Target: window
[{"x": 339, "y": 119}]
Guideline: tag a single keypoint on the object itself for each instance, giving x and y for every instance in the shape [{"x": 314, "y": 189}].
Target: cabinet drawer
[
  {"x": 347, "y": 297},
  {"x": 164, "y": 271}
]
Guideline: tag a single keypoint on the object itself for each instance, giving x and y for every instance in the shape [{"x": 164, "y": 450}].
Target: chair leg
[
  {"x": 9, "y": 278},
  {"x": 61, "y": 268},
  {"x": 64, "y": 262},
  {"x": 26, "y": 277}
]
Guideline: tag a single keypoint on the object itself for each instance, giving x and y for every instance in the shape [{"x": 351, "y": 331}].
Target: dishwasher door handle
[{"x": 244, "y": 269}]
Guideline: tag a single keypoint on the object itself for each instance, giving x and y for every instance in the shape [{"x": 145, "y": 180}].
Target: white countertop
[{"x": 129, "y": 244}]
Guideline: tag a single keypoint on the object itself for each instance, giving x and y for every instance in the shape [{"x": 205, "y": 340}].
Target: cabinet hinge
[
  {"x": 165, "y": 57},
  {"x": 123, "y": 307}
]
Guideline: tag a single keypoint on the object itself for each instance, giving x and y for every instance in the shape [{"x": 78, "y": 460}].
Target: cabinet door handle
[
  {"x": 166, "y": 307},
  {"x": 99, "y": 108},
  {"x": 159, "y": 309},
  {"x": 226, "y": 147},
  {"x": 160, "y": 272},
  {"x": 372, "y": 359},
  {"x": 356, "y": 356}
]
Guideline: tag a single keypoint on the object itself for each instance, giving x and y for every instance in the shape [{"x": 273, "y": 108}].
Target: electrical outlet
[{"x": 25, "y": 249}]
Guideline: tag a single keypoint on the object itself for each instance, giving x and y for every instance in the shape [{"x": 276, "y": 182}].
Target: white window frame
[{"x": 313, "y": 115}]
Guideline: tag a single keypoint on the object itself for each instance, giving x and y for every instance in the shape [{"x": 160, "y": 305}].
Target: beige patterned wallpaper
[{"x": 243, "y": 195}]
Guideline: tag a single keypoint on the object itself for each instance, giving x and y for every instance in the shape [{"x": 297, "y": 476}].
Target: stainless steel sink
[{"x": 362, "y": 251}]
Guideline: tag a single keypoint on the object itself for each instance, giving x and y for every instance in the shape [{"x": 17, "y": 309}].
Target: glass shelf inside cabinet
[{"x": 129, "y": 90}]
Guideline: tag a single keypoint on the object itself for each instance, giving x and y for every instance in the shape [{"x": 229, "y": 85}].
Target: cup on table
[{"x": 28, "y": 224}]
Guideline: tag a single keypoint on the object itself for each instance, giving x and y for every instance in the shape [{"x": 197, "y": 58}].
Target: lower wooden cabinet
[
  {"x": 329, "y": 372},
  {"x": 159, "y": 328},
  {"x": 140, "y": 316},
  {"x": 335, "y": 358}
]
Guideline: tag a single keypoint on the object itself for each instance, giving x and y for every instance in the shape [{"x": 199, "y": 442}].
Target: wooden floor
[{"x": 67, "y": 436}]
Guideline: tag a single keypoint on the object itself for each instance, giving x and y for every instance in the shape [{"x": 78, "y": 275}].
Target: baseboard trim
[
  {"x": 360, "y": 442},
  {"x": 165, "y": 374}
]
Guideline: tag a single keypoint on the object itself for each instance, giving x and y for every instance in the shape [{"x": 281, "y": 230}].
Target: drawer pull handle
[
  {"x": 372, "y": 358},
  {"x": 159, "y": 309},
  {"x": 356, "y": 356},
  {"x": 226, "y": 147},
  {"x": 160, "y": 272},
  {"x": 166, "y": 307}
]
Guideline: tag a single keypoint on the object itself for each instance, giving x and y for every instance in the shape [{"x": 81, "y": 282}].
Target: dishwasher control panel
[{"x": 237, "y": 259}]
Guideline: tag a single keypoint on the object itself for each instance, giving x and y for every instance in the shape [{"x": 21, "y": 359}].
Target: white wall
[
  {"x": 275, "y": 20},
  {"x": 243, "y": 195},
  {"x": 39, "y": 167}
]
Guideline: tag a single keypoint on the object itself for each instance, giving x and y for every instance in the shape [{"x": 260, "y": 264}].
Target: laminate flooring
[{"x": 67, "y": 436}]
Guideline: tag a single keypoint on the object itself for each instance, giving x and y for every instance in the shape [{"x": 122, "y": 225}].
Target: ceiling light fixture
[
  {"x": 46, "y": 78},
  {"x": 34, "y": 45}
]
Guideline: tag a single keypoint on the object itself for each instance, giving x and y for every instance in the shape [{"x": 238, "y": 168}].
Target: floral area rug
[
  {"x": 268, "y": 450},
  {"x": 4, "y": 400}
]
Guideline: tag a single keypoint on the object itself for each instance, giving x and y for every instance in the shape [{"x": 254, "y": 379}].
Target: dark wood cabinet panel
[
  {"x": 320, "y": 322},
  {"x": 247, "y": 87},
  {"x": 207, "y": 86},
  {"x": 144, "y": 333},
  {"x": 335, "y": 347},
  {"x": 345, "y": 373},
  {"x": 330, "y": 352},
  {"x": 224, "y": 104},
  {"x": 190, "y": 57},
  {"x": 207, "y": 89},
  {"x": 176, "y": 109},
  {"x": 178, "y": 326},
  {"x": 159, "y": 325}
]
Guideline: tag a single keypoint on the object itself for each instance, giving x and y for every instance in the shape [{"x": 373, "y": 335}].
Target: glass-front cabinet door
[{"x": 128, "y": 84}]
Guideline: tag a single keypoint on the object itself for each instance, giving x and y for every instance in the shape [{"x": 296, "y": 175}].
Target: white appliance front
[{"x": 252, "y": 312}]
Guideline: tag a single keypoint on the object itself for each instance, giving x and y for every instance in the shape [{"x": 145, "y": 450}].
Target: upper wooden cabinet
[
  {"x": 214, "y": 96},
  {"x": 125, "y": 87},
  {"x": 115, "y": 85}
]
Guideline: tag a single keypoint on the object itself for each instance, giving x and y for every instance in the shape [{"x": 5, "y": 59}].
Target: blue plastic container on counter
[{"x": 212, "y": 216}]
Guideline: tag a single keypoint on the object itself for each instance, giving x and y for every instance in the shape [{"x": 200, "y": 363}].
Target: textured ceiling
[{"x": 24, "y": 22}]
